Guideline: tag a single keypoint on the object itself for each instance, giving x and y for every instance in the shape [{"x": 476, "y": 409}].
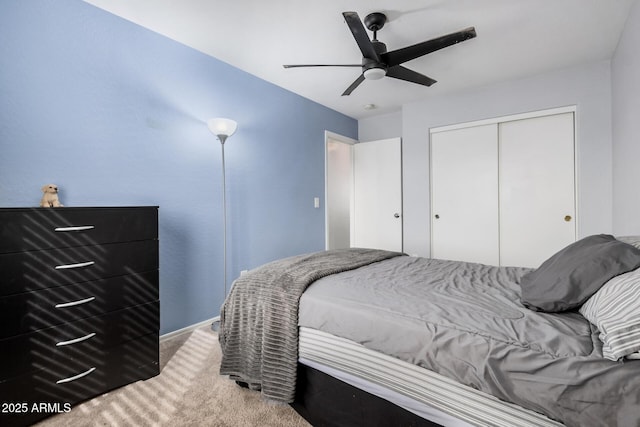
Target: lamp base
[{"x": 215, "y": 324}]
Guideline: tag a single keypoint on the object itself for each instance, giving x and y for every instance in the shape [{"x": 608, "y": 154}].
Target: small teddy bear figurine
[{"x": 50, "y": 197}]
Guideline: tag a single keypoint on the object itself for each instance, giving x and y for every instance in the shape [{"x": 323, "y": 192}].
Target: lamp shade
[{"x": 222, "y": 127}]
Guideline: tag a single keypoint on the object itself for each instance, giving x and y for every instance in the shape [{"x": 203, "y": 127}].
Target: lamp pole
[
  {"x": 223, "y": 128},
  {"x": 222, "y": 139}
]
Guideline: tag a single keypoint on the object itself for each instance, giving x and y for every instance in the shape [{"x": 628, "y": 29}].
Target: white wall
[
  {"x": 384, "y": 126},
  {"x": 587, "y": 87},
  {"x": 625, "y": 69}
]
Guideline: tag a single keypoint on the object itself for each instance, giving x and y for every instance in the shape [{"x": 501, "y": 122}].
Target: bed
[{"x": 449, "y": 343}]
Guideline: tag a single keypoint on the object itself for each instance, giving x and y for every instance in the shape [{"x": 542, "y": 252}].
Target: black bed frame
[{"x": 325, "y": 401}]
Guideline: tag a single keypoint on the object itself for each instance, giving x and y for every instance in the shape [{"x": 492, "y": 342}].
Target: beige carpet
[{"x": 188, "y": 392}]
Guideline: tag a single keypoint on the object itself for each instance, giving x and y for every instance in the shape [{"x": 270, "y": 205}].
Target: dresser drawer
[
  {"x": 29, "y": 271},
  {"x": 86, "y": 339},
  {"x": 80, "y": 379},
  {"x": 30, "y": 311},
  {"x": 23, "y": 229}
]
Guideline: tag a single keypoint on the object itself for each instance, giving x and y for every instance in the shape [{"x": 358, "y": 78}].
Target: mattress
[
  {"x": 418, "y": 390},
  {"x": 465, "y": 322}
]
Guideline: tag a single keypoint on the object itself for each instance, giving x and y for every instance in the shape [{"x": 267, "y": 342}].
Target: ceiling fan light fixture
[{"x": 374, "y": 73}]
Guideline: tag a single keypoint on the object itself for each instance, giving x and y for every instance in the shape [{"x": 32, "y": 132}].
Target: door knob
[
  {"x": 396, "y": 215},
  {"x": 567, "y": 218},
  {"x": 437, "y": 216}
]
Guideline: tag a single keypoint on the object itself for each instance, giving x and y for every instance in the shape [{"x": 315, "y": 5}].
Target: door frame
[
  {"x": 507, "y": 118},
  {"x": 328, "y": 135}
]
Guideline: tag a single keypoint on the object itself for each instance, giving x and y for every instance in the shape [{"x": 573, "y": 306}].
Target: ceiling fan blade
[
  {"x": 354, "y": 85},
  {"x": 402, "y": 73},
  {"x": 360, "y": 34},
  {"x": 321, "y": 65},
  {"x": 408, "y": 53}
]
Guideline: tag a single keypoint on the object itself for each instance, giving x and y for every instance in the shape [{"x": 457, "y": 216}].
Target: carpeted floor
[{"x": 188, "y": 392}]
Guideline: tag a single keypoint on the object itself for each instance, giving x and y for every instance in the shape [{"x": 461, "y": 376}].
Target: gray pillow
[{"x": 567, "y": 279}]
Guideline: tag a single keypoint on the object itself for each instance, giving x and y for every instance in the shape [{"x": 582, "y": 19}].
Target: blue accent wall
[{"x": 115, "y": 114}]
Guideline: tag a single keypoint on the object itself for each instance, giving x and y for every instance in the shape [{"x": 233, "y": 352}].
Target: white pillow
[
  {"x": 615, "y": 311},
  {"x": 631, "y": 240}
]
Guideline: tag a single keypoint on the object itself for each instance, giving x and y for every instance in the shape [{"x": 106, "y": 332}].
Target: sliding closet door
[
  {"x": 537, "y": 188},
  {"x": 377, "y": 195},
  {"x": 464, "y": 194}
]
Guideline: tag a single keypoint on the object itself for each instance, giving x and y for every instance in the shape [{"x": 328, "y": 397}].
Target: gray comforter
[
  {"x": 259, "y": 319},
  {"x": 465, "y": 321}
]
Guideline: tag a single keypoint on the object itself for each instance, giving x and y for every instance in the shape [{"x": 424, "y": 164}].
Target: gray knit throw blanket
[{"x": 259, "y": 319}]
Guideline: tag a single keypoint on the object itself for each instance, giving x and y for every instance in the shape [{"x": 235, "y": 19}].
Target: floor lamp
[{"x": 223, "y": 128}]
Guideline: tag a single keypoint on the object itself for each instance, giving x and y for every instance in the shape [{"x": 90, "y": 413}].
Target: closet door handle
[
  {"x": 396, "y": 215},
  {"x": 74, "y": 228},
  {"x": 567, "y": 218},
  {"x": 78, "y": 265},
  {"x": 73, "y": 303},
  {"x": 76, "y": 340},
  {"x": 75, "y": 377}
]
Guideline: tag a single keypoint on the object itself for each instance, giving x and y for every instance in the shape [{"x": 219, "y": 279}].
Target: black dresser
[{"x": 79, "y": 307}]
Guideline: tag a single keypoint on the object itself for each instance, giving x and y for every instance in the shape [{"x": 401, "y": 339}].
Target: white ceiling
[{"x": 516, "y": 38}]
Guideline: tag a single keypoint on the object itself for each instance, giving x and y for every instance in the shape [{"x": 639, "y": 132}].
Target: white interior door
[
  {"x": 537, "y": 188},
  {"x": 464, "y": 194},
  {"x": 377, "y": 196}
]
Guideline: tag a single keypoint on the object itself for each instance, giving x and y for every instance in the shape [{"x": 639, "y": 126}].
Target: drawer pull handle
[
  {"x": 76, "y": 340},
  {"x": 72, "y": 303},
  {"x": 75, "y": 228},
  {"x": 78, "y": 265},
  {"x": 75, "y": 377}
]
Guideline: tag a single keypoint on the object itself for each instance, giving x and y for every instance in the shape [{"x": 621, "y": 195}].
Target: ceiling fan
[{"x": 377, "y": 62}]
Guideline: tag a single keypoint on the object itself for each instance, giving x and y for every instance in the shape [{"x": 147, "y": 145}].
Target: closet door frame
[{"x": 508, "y": 118}]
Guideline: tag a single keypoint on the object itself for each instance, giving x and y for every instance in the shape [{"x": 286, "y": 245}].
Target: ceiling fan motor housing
[{"x": 372, "y": 69}]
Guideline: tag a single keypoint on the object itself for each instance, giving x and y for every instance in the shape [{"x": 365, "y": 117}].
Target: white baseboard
[{"x": 188, "y": 329}]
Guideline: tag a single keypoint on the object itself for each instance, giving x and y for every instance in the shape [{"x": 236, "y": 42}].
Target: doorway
[
  {"x": 338, "y": 190},
  {"x": 363, "y": 193}
]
